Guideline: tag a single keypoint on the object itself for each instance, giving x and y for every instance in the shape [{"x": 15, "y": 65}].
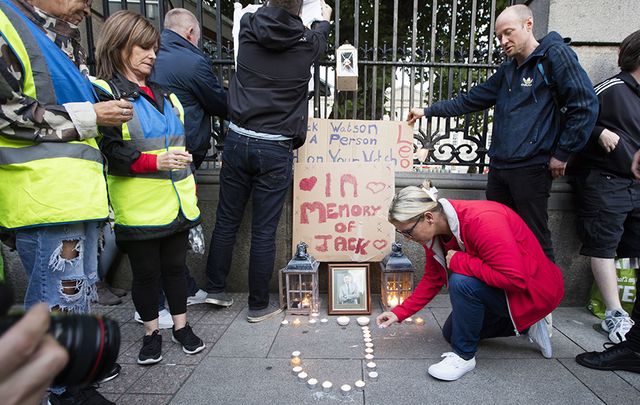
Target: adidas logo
[{"x": 526, "y": 82}]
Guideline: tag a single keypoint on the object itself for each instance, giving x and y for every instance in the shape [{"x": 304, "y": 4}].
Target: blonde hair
[
  {"x": 413, "y": 201},
  {"x": 121, "y": 32}
]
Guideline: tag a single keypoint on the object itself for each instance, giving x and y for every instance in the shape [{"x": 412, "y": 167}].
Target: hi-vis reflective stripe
[
  {"x": 177, "y": 105},
  {"x": 35, "y": 72},
  {"x": 49, "y": 150},
  {"x": 149, "y": 144}
]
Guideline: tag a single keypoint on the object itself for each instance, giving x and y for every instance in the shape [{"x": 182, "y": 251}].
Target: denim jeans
[
  {"x": 479, "y": 311},
  {"x": 260, "y": 169},
  {"x": 39, "y": 249}
]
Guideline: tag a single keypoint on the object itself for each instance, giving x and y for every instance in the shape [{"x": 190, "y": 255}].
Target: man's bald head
[
  {"x": 514, "y": 29},
  {"x": 184, "y": 23},
  {"x": 519, "y": 12}
]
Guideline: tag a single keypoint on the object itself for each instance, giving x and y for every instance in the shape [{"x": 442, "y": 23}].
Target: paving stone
[
  {"x": 607, "y": 385},
  {"x": 144, "y": 399},
  {"x": 129, "y": 374},
  {"x": 580, "y": 325},
  {"x": 111, "y": 396},
  {"x": 161, "y": 379},
  {"x": 173, "y": 354},
  {"x": 260, "y": 381},
  {"x": 631, "y": 378},
  {"x": 493, "y": 381}
]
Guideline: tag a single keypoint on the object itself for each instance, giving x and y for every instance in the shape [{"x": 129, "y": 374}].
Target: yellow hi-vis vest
[
  {"x": 49, "y": 182},
  {"x": 152, "y": 199}
]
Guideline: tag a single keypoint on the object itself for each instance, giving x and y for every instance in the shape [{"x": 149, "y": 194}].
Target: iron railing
[{"x": 411, "y": 53}]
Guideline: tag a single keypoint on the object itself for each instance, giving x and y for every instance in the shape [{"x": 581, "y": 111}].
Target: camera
[{"x": 93, "y": 343}]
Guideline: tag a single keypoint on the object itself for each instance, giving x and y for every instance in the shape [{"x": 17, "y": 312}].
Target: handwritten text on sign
[
  {"x": 343, "y": 141},
  {"x": 340, "y": 210}
]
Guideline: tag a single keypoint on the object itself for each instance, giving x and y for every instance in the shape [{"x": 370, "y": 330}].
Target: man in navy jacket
[
  {"x": 185, "y": 70},
  {"x": 529, "y": 144}
]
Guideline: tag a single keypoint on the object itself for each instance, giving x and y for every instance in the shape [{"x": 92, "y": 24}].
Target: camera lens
[{"x": 93, "y": 343}]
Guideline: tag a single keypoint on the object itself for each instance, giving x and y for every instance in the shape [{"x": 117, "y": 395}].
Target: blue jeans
[
  {"x": 260, "y": 169},
  {"x": 39, "y": 249},
  {"x": 479, "y": 311}
]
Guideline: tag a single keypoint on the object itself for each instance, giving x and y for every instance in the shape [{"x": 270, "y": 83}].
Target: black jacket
[
  {"x": 186, "y": 71},
  {"x": 268, "y": 93},
  {"x": 619, "y": 98}
]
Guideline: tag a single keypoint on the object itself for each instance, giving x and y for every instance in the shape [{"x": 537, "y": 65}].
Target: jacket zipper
[{"x": 515, "y": 329}]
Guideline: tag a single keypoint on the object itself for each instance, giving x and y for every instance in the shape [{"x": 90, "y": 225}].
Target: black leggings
[{"x": 154, "y": 259}]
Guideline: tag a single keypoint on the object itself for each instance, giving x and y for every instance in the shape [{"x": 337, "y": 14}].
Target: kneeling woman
[
  {"x": 151, "y": 187},
  {"x": 501, "y": 282}
]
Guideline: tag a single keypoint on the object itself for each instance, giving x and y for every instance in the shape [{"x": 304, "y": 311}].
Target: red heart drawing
[
  {"x": 308, "y": 183},
  {"x": 375, "y": 186},
  {"x": 380, "y": 243}
]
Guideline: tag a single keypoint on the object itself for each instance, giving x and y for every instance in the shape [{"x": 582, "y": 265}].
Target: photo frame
[{"x": 349, "y": 289}]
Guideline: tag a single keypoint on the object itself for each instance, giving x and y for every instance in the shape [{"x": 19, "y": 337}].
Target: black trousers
[
  {"x": 633, "y": 336},
  {"x": 154, "y": 260},
  {"x": 525, "y": 190}
]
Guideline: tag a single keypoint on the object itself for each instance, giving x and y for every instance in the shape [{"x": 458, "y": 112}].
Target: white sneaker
[
  {"x": 197, "y": 298},
  {"x": 452, "y": 367},
  {"x": 617, "y": 323},
  {"x": 164, "y": 319},
  {"x": 539, "y": 334},
  {"x": 548, "y": 320}
]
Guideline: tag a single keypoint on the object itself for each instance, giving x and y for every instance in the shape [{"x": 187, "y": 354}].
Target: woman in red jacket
[{"x": 501, "y": 282}]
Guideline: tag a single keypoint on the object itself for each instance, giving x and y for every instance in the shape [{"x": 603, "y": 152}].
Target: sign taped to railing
[
  {"x": 358, "y": 141},
  {"x": 340, "y": 210}
]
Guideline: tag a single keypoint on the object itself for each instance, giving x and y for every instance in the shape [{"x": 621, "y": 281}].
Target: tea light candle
[
  {"x": 371, "y": 366},
  {"x": 296, "y": 322},
  {"x": 419, "y": 321},
  {"x": 368, "y": 350},
  {"x": 360, "y": 385},
  {"x": 311, "y": 383},
  {"x": 302, "y": 376},
  {"x": 326, "y": 386},
  {"x": 315, "y": 314},
  {"x": 312, "y": 321},
  {"x": 345, "y": 389},
  {"x": 366, "y": 335},
  {"x": 296, "y": 370},
  {"x": 295, "y": 354},
  {"x": 369, "y": 356},
  {"x": 343, "y": 320},
  {"x": 369, "y": 344},
  {"x": 285, "y": 322},
  {"x": 373, "y": 375},
  {"x": 295, "y": 361},
  {"x": 324, "y": 320},
  {"x": 409, "y": 320},
  {"x": 365, "y": 329},
  {"x": 367, "y": 340}
]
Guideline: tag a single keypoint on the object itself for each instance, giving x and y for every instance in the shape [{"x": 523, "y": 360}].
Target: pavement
[{"x": 247, "y": 363}]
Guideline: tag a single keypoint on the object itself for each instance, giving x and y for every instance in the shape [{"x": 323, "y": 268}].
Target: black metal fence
[{"x": 411, "y": 53}]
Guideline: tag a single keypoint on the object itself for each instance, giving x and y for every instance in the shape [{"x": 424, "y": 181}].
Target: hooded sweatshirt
[
  {"x": 526, "y": 122},
  {"x": 268, "y": 93}
]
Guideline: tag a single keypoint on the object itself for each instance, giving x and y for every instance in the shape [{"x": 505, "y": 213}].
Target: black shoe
[
  {"x": 113, "y": 373},
  {"x": 191, "y": 344},
  {"x": 151, "y": 352},
  {"x": 79, "y": 396},
  {"x": 614, "y": 357}
]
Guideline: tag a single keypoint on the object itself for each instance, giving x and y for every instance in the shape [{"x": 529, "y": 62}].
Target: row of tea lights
[{"x": 327, "y": 386}]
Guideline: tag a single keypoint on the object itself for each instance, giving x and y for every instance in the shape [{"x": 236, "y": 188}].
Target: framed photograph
[{"x": 349, "y": 289}]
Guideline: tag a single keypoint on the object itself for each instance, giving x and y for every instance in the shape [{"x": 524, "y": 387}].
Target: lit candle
[
  {"x": 360, "y": 385},
  {"x": 367, "y": 340},
  {"x": 306, "y": 302},
  {"x": 312, "y": 321},
  {"x": 371, "y": 366},
  {"x": 368, "y": 344},
  {"x": 324, "y": 320},
  {"x": 296, "y": 370},
  {"x": 409, "y": 320},
  {"x": 315, "y": 314},
  {"x": 366, "y": 335},
  {"x": 373, "y": 376},
  {"x": 345, "y": 389},
  {"x": 311, "y": 383},
  {"x": 296, "y": 322},
  {"x": 369, "y": 356},
  {"x": 368, "y": 350},
  {"x": 419, "y": 321},
  {"x": 365, "y": 329},
  {"x": 285, "y": 322},
  {"x": 392, "y": 301},
  {"x": 295, "y": 361},
  {"x": 326, "y": 386},
  {"x": 302, "y": 376}
]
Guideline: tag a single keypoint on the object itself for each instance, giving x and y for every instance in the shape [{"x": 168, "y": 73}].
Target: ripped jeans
[{"x": 68, "y": 284}]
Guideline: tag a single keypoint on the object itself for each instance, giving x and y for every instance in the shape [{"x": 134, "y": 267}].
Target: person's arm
[
  {"x": 576, "y": 92},
  {"x": 30, "y": 358},
  {"x": 25, "y": 118},
  {"x": 210, "y": 94},
  {"x": 480, "y": 97},
  {"x": 498, "y": 261}
]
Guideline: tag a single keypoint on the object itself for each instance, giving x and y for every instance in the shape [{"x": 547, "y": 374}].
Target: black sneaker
[
  {"x": 191, "y": 344},
  {"x": 614, "y": 357},
  {"x": 113, "y": 373},
  {"x": 79, "y": 396},
  {"x": 151, "y": 352}
]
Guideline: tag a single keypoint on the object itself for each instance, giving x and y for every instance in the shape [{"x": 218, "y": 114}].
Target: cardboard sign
[
  {"x": 343, "y": 141},
  {"x": 340, "y": 210}
]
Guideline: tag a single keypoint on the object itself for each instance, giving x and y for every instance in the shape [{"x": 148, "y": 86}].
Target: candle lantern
[
  {"x": 347, "y": 68},
  {"x": 299, "y": 283},
  {"x": 396, "y": 277}
]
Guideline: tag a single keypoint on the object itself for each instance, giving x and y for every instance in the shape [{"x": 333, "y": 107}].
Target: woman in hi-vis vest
[{"x": 150, "y": 183}]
